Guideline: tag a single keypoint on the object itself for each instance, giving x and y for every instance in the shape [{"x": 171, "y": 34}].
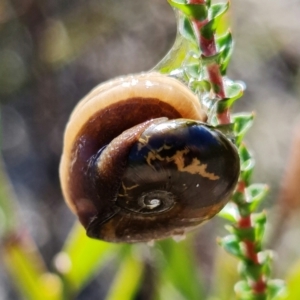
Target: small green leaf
[
  {"x": 201, "y": 86},
  {"x": 256, "y": 193},
  {"x": 186, "y": 29},
  {"x": 225, "y": 48},
  {"x": 276, "y": 288},
  {"x": 242, "y": 204},
  {"x": 266, "y": 259},
  {"x": 207, "y": 60},
  {"x": 229, "y": 212},
  {"x": 242, "y": 122},
  {"x": 208, "y": 30},
  {"x": 259, "y": 221},
  {"x": 247, "y": 164},
  {"x": 251, "y": 270},
  {"x": 244, "y": 209},
  {"x": 232, "y": 245},
  {"x": 238, "y": 198},
  {"x": 251, "y": 296},
  {"x": 243, "y": 290},
  {"x": 245, "y": 155},
  {"x": 195, "y": 11},
  {"x": 233, "y": 91},
  {"x": 216, "y": 12},
  {"x": 243, "y": 233},
  {"x": 247, "y": 170},
  {"x": 260, "y": 218},
  {"x": 218, "y": 9},
  {"x": 193, "y": 71}
]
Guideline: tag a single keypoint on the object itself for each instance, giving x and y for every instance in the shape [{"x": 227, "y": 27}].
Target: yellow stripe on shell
[{"x": 196, "y": 167}]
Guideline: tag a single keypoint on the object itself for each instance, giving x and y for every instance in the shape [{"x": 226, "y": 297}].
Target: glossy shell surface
[{"x": 132, "y": 175}]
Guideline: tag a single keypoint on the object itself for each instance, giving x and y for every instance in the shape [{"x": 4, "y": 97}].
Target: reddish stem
[
  {"x": 250, "y": 251},
  {"x": 197, "y": 2},
  {"x": 241, "y": 187},
  {"x": 259, "y": 286},
  {"x": 208, "y": 49},
  {"x": 245, "y": 222}
]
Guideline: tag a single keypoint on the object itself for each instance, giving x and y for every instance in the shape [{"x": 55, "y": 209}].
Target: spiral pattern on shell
[{"x": 140, "y": 164}]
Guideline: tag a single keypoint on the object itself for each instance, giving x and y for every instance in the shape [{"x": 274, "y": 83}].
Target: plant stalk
[
  {"x": 208, "y": 48},
  {"x": 259, "y": 286}
]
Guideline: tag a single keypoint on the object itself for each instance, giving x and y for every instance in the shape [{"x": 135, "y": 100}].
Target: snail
[{"x": 139, "y": 162}]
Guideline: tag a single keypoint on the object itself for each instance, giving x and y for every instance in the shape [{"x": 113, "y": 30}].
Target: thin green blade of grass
[
  {"x": 178, "y": 267},
  {"x": 28, "y": 271},
  {"x": 81, "y": 258},
  {"x": 128, "y": 278}
]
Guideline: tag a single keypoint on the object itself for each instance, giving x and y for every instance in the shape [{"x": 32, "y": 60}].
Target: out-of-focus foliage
[
  {"x": 81, "y": 257},
  {"x": 53, "y": 52}
]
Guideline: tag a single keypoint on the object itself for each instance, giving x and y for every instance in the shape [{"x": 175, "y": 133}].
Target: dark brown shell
[{"x": 130, "y": 174}]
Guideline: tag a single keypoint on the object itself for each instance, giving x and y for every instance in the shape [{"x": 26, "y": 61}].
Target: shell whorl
[
  {"x": 158, "y": 89},
  {"x": 139, "y": 164}
]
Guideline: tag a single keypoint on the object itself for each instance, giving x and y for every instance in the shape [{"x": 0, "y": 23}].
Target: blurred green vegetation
[{"x": 51, "y": 54}]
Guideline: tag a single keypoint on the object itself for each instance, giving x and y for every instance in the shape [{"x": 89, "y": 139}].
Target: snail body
[{"x": 140, "y": 164}]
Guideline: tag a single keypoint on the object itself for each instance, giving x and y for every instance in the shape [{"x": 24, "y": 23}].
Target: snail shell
[{"x": 139, "y": 164}]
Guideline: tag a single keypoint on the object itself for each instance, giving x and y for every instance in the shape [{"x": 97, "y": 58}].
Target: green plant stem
[
  {"x": 259, "y": 286},
  {"x": 208, "y": 49}
]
